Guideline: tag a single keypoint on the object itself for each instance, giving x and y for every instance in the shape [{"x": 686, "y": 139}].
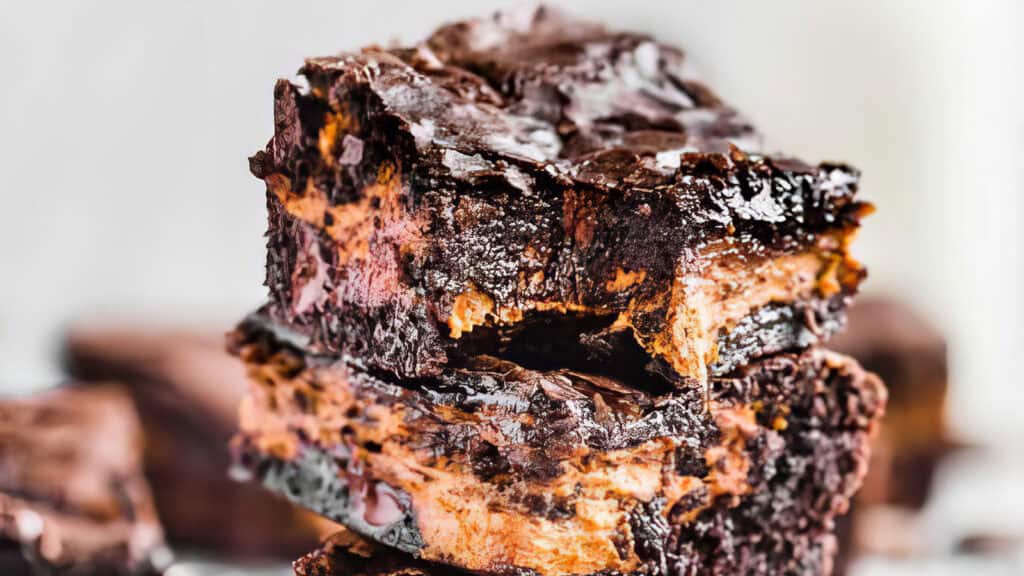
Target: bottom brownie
[
  {"x": 496, "y": 468},
  {"x": 72, "y": 497}
]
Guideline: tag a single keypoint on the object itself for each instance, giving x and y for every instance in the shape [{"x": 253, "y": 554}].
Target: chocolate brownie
[
  {"x": 527, "y": 174},
  {"x": 496, "y": 468},
  {"x": 893, "y": 340}
]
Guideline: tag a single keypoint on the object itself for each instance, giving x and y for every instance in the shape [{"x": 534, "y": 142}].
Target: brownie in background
[
  {"x": 73, "y": 499},
  {"x": 892, "y": 340},
  {"x": 187, "y": 389}
]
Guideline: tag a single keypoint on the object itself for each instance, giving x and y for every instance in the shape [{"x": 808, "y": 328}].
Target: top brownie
[{"x": 545, "y": 188}]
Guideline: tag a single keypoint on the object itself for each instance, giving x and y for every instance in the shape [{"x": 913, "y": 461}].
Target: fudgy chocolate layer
[
  {"x": 525, "y": 169},
  {"x": 495, "y": 468}
]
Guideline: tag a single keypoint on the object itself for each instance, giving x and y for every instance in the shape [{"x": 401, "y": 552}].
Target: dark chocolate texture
[
  {"x": 495, "y": 468},
  {"x": 73, "y": 500},
  {"x": 428, "y": 203}
]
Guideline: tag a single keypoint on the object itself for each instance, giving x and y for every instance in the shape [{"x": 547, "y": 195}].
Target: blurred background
[{"x": 126, "y": 194}]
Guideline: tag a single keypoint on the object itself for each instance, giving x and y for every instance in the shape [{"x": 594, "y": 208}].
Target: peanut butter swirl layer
[
  {"x": 526, "y": 173},
  {"x": 495, "y": 468}
]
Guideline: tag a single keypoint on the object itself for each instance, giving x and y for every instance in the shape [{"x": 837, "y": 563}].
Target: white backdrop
[{"x": 126, "y": 126}]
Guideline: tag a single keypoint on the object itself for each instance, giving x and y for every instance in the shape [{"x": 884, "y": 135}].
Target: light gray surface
[{"x": 198, "y": 566}]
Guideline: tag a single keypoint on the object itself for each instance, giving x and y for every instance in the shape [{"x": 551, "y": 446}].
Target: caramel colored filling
[
  {"x": 705, "y": 304},
  {"x": 475, "y": 308},
  {"x": 698, "y": 307},
  {"x": 727, "y": 461},
  {"x": 335, "y": 125},
  {"x": 350, "y": 225},
  {"x": 476, "y": 523},
  {"x": 461, "y": 517},
  {"x": 471, "y": 308},
  {"x": 624, "y": 280}
]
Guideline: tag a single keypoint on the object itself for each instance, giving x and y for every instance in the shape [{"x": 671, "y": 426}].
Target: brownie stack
[{"x": 540, "y": 305}]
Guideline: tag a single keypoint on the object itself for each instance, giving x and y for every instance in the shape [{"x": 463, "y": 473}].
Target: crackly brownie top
[
  {"x": 524, "y": 99},
  {"x": 594, "y": 89},
  {"x": 534, "y": 85}
]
